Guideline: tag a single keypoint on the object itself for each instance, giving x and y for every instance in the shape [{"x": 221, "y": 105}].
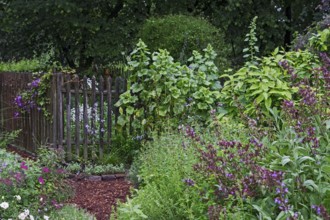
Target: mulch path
[{"x": 97, "y": 197}]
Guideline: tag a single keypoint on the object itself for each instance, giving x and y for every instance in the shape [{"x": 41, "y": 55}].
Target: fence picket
[
  {"x": 60, "y": 111},
  {"x": 68, "y": 117},
  {"x": 109, "y": 114},
  {"x": 101, "y": 131},
  {"x": 93, "y": 112},
  {"x": 54, "y": 101},
  {"x": 77, "y": 114},
  {"x": 85, "y": 118}
]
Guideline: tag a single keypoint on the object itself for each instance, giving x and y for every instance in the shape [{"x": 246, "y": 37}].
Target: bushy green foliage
[
  {"x": 164, "y": 92},
  {"x": 164, "y": 164},
  {"x": 71, "y": 212},
  {"x": 181, "y": 35},
  {"x": 7, "y": 138},
  {"x": 257, "y": 88},
  {"x": 104, "y": 169},
  {"x": 20, "y": 66},
  {"x": 44, "y": 62},
  {"x": 123, "y": 149}
]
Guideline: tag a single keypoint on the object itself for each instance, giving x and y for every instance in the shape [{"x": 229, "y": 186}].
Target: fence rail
[{"x": 82, "y": 113}]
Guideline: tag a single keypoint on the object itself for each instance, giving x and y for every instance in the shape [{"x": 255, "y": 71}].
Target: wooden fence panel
[{"x": 82, "y": 113}]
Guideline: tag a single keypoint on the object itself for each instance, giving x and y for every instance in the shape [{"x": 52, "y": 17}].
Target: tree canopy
[{"x": 84, "y": 32}]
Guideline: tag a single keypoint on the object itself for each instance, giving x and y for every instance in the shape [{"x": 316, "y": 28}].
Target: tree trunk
[{"x": 287, "y": 36}]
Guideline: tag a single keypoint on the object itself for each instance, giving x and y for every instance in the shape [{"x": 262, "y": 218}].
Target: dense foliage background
[{"x": 83, "y": 33}]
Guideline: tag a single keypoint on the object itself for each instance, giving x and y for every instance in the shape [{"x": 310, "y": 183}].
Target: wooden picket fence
[{"x": 82, "y": 113}]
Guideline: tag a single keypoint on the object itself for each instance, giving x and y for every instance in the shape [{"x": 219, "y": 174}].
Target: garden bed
[{"x": 97, "y": 194}]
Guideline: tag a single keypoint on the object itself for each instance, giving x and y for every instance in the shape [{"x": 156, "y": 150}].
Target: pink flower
[
  {"x": 24, "y": 166},
  {"x": 45, "y": 170},
  {"x": 41, "y": 180},
  {"x": 60, "y": 171}
]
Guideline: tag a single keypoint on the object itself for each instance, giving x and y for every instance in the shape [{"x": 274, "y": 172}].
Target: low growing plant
[
  {"x": 27, "y": 187},
  {"x": 162, "y": 193}
]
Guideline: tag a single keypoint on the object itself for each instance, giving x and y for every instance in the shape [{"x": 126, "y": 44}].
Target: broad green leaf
[
  {"x": 202, "y": 106},
  {"x": 310, "y": 184},
  {"x": 268, "y": 103},
  {"x": 303, "y": 159},
  {"x": 285, "y": 160},
  {"x": 121, "y": 120},
  {"x": 162, "y": 110},
  {"x": 259, "y": 99},
  {"x": 129, "y": 110}
]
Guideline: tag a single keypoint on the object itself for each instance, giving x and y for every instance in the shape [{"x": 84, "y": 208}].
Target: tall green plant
[
  {"x": 251, "y": 38},
  {"x": 165, "y": 92}
]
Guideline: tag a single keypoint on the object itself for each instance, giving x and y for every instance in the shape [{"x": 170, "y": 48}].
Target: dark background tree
[{"x": 85, "y": 32}]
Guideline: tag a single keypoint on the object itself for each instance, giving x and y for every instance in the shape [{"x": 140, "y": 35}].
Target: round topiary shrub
[{"x": 181, "y": 34}]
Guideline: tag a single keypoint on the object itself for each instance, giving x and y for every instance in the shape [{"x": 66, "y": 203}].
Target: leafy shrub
[
  {"x": 123, "y": 149},
  {"x": 258, "y": 89},
  {"x": 103, "y": 169},
  {"x": 162, "y": 195},
  {"x": 164, "y": 92},
  {"x": 7, "y": 137},
  {"x": 71, "y": 212},
  {"x": 181, "y": 35}
]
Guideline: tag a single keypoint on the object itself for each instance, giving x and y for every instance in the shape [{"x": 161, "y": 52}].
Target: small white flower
[
  {"x": 31, "y": 217},
  {"x": 4, "y": 205},
  {"x": 27, "y": 212},
  {"x": 18, "y": 197},
  {"x": 46, "y": 217},
  {"x": 22, "y": 216}
]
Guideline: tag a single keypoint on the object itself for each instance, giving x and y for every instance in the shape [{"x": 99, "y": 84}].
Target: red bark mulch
[{"x": 98, "y": 197}]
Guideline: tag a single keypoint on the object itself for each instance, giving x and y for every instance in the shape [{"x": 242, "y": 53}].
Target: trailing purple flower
[{"x": 321, "y": 211}]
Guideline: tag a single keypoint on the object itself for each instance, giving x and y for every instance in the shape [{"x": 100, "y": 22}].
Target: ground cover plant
[{"x": 29, "y": 188}]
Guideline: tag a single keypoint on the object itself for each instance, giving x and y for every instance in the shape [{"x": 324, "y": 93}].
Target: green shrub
[
  {"x": 123, "y": 149},
  {"x": 164, "y": 164},
  {"x": 258, "y": 89},
  {"x": 71, "y": 212},
  {"x": 181, "y": 35},
  {"x": 163, "y": 92},
  {"x": 7, "y": 138}
]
